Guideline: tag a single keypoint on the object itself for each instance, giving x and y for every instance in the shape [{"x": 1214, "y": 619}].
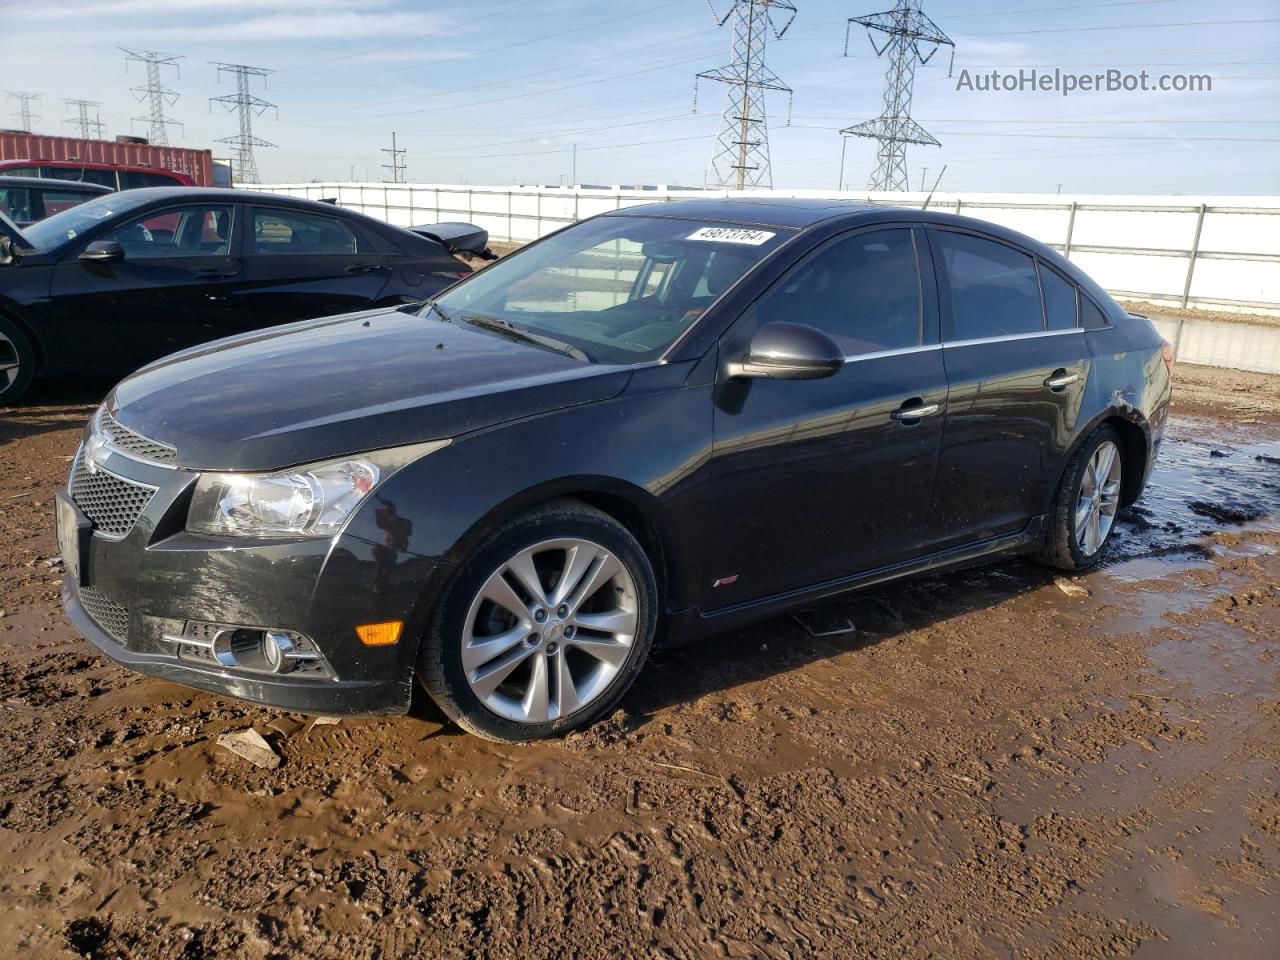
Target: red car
[{"x": 111, "y": 175}]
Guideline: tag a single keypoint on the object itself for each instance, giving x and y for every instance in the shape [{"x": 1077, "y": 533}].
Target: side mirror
[
  {"x": 789, "y": 351},
  {"x": 103, "y": 251}
]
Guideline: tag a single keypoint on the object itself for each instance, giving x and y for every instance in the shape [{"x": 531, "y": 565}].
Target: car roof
[
  {"x": 231, "y": 195},
  {"x": 53, "y": 183},
  {"x": 786, "y": 212}
]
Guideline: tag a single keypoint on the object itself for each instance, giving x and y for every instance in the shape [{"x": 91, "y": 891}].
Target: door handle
[
  {"x": 906, "y": 414},
  {"x": 1060, "y": 380},
  {"x": 214, "y": 274},
  {"x": 364, "y": 268}
]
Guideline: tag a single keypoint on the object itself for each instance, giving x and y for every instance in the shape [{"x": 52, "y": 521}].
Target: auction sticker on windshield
[{"x": 732, "y": 235}]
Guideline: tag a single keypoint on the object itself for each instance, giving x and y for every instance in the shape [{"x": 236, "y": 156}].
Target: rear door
[
  {"x": 1016, "y": 361},
  {"x": 815, "y": 480},
  {"x": 301, "y": 264},
  {"x": 170, "y": 291}
]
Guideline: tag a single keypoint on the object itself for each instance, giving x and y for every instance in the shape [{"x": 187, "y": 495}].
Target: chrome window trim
[
  {"x": 1012, "y": 336},
  {"x": 896, "y": 352}
]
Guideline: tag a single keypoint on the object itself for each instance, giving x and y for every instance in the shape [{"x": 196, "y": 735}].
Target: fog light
[
  {"x": 251, "y": 650},
  {"x": 278, "y": 648}
]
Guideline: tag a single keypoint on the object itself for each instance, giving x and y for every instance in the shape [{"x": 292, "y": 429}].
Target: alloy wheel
[
  {"x": 549, "y": 630},
  {"x": 10, "y": 363},
  {"x": 1099, "y": 498}
]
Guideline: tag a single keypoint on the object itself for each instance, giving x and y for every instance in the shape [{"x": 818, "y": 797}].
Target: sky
[{"x": 499, "y": 91}]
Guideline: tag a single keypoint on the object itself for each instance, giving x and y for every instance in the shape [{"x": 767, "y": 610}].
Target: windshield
[
  {"x": 53, "y": 232},
  {"x": 620, "y": 289}
]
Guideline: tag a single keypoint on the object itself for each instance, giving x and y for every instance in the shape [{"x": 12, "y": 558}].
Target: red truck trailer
[{"x": 19, "y": 150}]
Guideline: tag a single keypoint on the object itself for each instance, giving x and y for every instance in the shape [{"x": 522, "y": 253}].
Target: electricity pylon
[
  {"x": 741, "y": 157},
  {"x": 396, "y": 166},
  {"x": 154, "y": 93},
  {"x": 26, "y": 120},
  {"x": 90, "y": 129},
  {"x": 905, "y": 28},
  {"x": 243, "y": 164}
]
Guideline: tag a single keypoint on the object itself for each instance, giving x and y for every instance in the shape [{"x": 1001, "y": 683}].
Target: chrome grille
[
  {"x": 134, "y": 444},
  {"x": 106, "y": 613},
  {"x": 112, "y": 503}
]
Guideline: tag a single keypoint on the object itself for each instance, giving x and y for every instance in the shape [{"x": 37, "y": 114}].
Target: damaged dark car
[{"x": 656, "y": 424}]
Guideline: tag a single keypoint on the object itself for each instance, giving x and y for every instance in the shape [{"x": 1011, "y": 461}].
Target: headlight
[{"x": 310, "y": 501}]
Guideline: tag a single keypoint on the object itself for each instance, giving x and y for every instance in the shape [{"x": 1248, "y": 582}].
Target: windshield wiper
[
  {"x": 431, "y": 306},
  {"x": 528, "y": 336}
]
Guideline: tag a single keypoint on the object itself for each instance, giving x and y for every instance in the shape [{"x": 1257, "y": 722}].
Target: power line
[
  {"x": 154, "y": 93},
  {"x": 741, "y": 157},
  {"x": 396, "y": 166},
  {"x": 905, "y": 28},
  {"x": 244, "y": 163},
  {"x": 89, "y": 128},
  {"x": 26, "y": 119}
]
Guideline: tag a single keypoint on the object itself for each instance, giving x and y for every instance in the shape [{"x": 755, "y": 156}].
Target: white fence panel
[{"x": 1215, "y": 252}]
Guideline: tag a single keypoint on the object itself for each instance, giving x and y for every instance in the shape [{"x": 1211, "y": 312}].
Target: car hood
[{"x": 326, "y": 388}]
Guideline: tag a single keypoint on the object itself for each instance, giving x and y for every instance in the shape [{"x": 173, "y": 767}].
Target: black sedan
[
  {"x": 26, "y": 200},
  {"x": 673, "y": 419},
  {"x": 113, "y": 283}
]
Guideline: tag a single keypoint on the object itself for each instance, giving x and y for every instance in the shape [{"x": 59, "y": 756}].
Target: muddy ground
[{"x": 990, "y": 766}]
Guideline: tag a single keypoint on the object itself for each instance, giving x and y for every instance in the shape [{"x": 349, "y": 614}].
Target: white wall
[{"x": 1137, "y": 247}]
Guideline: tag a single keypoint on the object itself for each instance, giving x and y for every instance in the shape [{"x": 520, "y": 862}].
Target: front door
[
  {"x": 170, "y": 291},
  {"x": 1017, "y": 362},
  {"x": 300, "y": 265},
  {"x": 815, "y": 480}
]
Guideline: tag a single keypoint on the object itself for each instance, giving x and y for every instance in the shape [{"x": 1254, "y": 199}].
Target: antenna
[
  {"x": 741, "y": 157},
  {"x": 906, "y": 29},
  {"x": 90, "y": 129},
  {"x": 153, "y": 93},
  {"x": 244, "y": 164},
  {"x": 396, "y": 166},
  {"x": 23, "y": 114}
]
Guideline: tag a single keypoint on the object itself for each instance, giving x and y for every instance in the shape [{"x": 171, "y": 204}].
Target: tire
[
  {"x": 15, "y": 348},
  {"x": 1069, "y": 545},
  {"x": 480, "y": 657}
]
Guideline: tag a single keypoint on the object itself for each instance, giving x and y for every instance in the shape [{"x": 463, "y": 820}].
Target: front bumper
[{"x": 157, "y": 581}]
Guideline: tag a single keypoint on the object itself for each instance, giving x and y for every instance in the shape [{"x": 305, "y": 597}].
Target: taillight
[{"x": 1166, "y": 354}]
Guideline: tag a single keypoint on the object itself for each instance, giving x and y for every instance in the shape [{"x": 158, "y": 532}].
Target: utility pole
[
  {"x": 90, "y": 129},
  {"x": 244, "y": 164},
  {"x": 26, "y": 120},
  {"x": 396, "y": 166},
  {"x": 154, "y": 93},
  {"x": 906, "y": 29},
  {"x": 573, "y": 177},
  {"x": 741, "y": 157}
]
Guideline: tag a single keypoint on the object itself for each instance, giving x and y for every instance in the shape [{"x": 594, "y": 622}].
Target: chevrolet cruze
[{"x": 659, "y": 423}]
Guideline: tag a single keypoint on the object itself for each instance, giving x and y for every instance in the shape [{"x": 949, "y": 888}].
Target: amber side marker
[{"x": 380, "y": 634}]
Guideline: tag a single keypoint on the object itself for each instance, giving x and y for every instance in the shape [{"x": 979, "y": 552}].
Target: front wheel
[
  {"x": 544, "y": 628},
  {"x": 17, "y": 362},
  {"x": 1084, "y": 509}
]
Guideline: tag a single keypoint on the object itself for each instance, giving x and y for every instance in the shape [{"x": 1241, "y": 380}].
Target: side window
[
  {"x": 1059, "y": 299},
  {"x": 862, "y": 291},
  {"x": 21, "y": 172},
  {"x": 1091, "y": 318},
  {"x": 132, "y": 179},
  {"x": 994, "y": 290},
  {"x": 292, "y": 232},
  {"x": 200, "y": 230},
  {"x": 17, "y": 203},
  {"x": 103, "y": 178}
]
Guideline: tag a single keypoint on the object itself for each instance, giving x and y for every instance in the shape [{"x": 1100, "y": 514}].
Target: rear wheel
[
  {"x": 544, "y": 628},
  {"x": 1084, "y": 510},
  {"x": 17, "y": 362}
]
